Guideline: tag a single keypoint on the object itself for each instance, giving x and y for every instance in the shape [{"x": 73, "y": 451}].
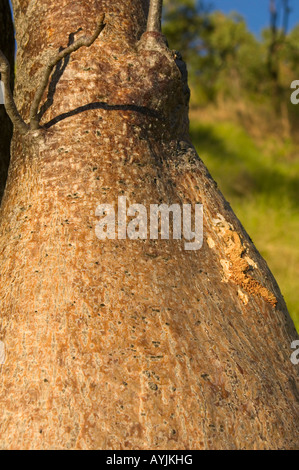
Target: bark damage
[{"x": 122, "y": 344}]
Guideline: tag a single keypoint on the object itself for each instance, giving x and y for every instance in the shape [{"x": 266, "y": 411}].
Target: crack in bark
[{"x": 108, "y": 107}]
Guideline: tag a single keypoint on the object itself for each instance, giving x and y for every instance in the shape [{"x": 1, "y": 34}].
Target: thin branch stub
[{"x": 154, "y": 21}]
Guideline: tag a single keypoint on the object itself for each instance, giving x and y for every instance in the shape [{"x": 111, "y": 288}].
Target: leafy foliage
[{"x": 226, "y": 60}]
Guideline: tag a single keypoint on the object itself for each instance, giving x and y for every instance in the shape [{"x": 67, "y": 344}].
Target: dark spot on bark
[{"x": 153, "y": 386}]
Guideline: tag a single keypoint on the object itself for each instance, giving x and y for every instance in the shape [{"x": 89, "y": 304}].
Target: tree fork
[
  {"x": 84, "y": 41},
  {"x": 10, "y": 105}
]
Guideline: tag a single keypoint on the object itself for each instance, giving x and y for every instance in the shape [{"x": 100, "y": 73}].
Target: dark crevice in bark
[
  {"x": 6, "y": 128},
  {"x": 107, "y": 107},
  {"x": 145, "y": 6}
]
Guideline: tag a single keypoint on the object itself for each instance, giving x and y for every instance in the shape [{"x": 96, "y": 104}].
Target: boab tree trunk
[{"x": 123, "y": 344}]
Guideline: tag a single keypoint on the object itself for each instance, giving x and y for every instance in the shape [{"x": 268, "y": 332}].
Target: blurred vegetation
[{"x": 243, "y": 123}]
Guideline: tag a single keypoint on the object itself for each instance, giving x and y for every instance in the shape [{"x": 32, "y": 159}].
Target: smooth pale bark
[
  {"x": 7, "y": 46},
  {"x": 125, "y": 344}
]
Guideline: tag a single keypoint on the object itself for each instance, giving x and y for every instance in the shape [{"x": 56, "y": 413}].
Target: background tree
[
  {"x": 125, "y": 344},
  {"x": 220, "y": 51},
  {"x": 277, "y": 39}
]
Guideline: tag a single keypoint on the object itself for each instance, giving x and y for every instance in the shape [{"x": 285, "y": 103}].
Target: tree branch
[
  {"x": 154, "y": 21},
  {"x": 286, "y": 14},
  {"x": 9, "y": 103},
  {"x": 84, "y": 41}
]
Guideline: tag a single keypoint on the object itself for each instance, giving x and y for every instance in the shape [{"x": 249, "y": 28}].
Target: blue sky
[{"x": 256, "y": 12}]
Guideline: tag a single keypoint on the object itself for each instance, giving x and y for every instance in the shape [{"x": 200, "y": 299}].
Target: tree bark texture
[
  {"x": 7, "y": 46},
  {"x": 122, "y": 344}
]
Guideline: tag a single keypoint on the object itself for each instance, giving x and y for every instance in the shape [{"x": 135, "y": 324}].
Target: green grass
[{"x": 261, "y": 181}]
